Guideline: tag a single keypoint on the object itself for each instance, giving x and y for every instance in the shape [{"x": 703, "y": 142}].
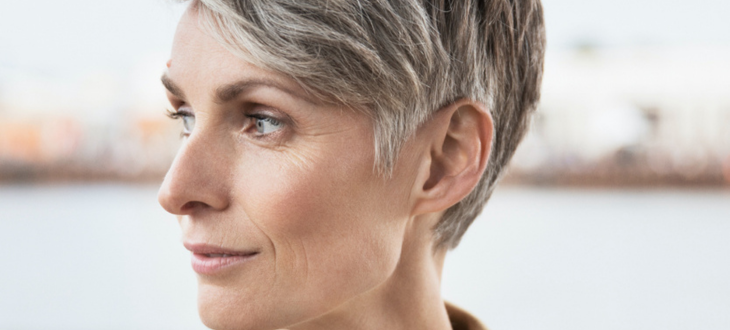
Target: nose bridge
[{"x": 197, "y": 177}]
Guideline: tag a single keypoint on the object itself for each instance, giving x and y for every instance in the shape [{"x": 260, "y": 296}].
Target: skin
[{"x": 339, "y": 247}]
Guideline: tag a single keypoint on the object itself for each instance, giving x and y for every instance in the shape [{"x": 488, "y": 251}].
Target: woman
[{"x": 335, "y": 150}]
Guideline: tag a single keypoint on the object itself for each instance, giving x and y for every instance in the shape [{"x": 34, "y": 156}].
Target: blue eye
[
  {"x": 266, "y": 125},
  {"x": 187, "y": 117},
  {"x": 188, "y": 123}
]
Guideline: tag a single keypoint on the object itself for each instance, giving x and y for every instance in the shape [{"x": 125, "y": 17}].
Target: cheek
[{"x": 326, "y": 215}]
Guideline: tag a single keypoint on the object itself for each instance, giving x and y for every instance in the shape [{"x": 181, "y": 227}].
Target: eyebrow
[
  {"x": 171, "y": 87},
  {"x": 228, "y": 92}
]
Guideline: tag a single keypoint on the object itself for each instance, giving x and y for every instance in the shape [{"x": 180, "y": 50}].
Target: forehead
[
  {"x": 192, "y": 48},
  {"x": 199, "y": 60}
]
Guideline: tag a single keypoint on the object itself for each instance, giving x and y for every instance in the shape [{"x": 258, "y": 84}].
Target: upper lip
[{"x": 199, "y": 248}]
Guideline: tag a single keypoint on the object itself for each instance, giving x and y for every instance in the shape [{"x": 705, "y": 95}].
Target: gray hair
[{"x": 399, "y": 61}]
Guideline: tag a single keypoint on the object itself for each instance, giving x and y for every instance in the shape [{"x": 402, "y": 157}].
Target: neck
[{"x": 409, "y": 299}]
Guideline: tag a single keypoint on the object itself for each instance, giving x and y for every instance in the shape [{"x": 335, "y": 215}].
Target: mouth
[
  {"x": 212, "y": 260},
  {"x": 218, "y": 255}
]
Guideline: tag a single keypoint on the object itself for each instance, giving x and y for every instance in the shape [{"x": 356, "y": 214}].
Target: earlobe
[{"x": 459, "y": 137}]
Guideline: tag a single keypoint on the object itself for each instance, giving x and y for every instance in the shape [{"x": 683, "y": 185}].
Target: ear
[{"x": 458, "y": 142}]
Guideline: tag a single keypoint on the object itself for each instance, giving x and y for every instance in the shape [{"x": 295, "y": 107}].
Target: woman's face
[{"x": 275, "y": 192}]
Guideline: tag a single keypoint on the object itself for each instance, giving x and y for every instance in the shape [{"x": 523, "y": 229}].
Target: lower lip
[{"x": 205, "y": 265}]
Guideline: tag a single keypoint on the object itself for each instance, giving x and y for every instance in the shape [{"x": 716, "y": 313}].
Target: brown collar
[{"x": 462, "y": 320}]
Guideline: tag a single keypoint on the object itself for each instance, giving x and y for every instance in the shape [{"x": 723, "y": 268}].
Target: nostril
[{"x": 190, "y": 206}]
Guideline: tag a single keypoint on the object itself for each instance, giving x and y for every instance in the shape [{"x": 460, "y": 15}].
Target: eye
[
  {"x": 188, "y": 123},
  {"x": 187, "y": 117},
  {"x": 266, "y": 125}
]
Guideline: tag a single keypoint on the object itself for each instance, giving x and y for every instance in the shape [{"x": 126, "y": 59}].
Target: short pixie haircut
[{"x": 400, "y": 61}]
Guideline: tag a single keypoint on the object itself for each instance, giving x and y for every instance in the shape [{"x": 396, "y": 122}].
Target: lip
[{"x": 213, "y": 260}]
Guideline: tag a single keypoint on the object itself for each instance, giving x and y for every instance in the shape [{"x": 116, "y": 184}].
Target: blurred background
[{"x": 615, "y": 212}]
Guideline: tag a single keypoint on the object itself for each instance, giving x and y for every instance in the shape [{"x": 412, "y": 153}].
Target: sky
[
  {"x": 637, "y": 22},
  {"x": 49, "y": 37},
  {"x": 86, "y": 58}
]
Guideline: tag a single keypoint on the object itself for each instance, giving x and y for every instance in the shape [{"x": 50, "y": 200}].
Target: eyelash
[{"x": 177, "y": 115}]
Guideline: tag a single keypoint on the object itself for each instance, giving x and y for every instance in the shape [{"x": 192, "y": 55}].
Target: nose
[{"x": 197, "y": 179}]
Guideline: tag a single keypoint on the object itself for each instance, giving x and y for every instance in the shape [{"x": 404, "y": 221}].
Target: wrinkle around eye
[
  {"x": 300, "y": 161},
  {"x": 328, "y": 132}
]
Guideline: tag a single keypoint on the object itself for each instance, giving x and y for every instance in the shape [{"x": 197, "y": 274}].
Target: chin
[
  {"x": 226, "y": 307},
  {"x": 220, "y": 309}
]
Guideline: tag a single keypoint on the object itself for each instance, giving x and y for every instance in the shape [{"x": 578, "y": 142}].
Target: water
[
  {"x": 107, "y": 257},
  {"x": 92, "y": 257},
  {"x": 577, "y": 259}
]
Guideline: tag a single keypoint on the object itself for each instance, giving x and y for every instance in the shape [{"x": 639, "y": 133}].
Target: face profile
[
  {"x": 277, "y": 191},
  {"x": 278, "y": 200}
]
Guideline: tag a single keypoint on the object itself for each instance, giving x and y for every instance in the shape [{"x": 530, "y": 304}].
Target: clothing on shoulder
[{"x": 462, "y": 320}]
